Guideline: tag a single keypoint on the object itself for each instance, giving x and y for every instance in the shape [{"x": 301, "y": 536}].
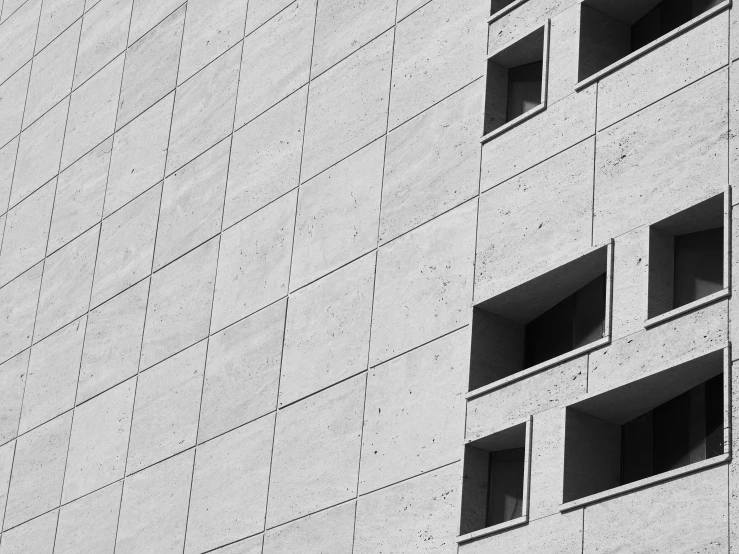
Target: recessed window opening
[
  {"x": 613, "y": 29},
  {"x": 497, "y": 5}
]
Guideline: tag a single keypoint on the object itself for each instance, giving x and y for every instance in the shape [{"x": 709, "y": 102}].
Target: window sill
[
  {"x": 695, "y": 305},
  {"x": 645, "y": 483},
  {"x": 508, "y": 9},
  {"x": 653, "y": 45},
  {"x": 517, "y": 522},
  {"x": 538, "y": 368},
  {"x": 514, "y": 122}
]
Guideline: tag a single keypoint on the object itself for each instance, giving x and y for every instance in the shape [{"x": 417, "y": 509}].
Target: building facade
[{"x": 367, "y": 277}]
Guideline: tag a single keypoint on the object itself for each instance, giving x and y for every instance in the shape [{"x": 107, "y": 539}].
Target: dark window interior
[
  {"x": 524, "y": 89},
  {"x": 497, "y": 5},
  {"x": 666, "y": 16},
  {"x": 505, "y": 486},
  {"x": 576, "y": 321},
  {"x": 699, "y": 265}
]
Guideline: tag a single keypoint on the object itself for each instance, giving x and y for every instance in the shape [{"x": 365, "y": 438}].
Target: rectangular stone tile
[
  {"x": 104, "y": 36},
  {"x": 420, "y": 515},
  {"x": 560, "y": 126},
  {"x": 276, "y": 60},
  {"x": 147, "y": 14},
  {"x": 535, "y": 222},
  {"x": 65, "y": 294},
  {"x": 630, "y": 268},
  {"x": 254, "y": 262},
  {"x": 7, "y": 451},
  {"x": 36, "y": 536},
  {"x": 406, "y": 7},
  {"x": 689, "y": 514},
  {"x": 659, "y": 348},
  {"x": 243, "y": 372},
  {"x": 734, "y": 300},
  {"x": 192, "y": 204},
  {"x": 552, "y": 388},
  {"x": 12, "y": 98},
  {"x": 51, "y": 381},
  {"x": 347, "y": 106},
  {"x": 204, "y": 111},
  {"x": 12, "y": 383},
  {"x": 38, "y": 471},
  {"x": 180, "y": 304},
  {"x": 248, "y": 546},
  {"x": 664, "y": 70},
  {"x": 167, "y": 405},
  {"x": 438, "y": 50},
  {"x": 547, "y": 459},
  {"x": 139, "y": 155},
  {"x": 564, "y": 53},
  {"x": 10, "y": 7},
  {"x": 113, "y": 342},
  {"x": 663, "y": 159},
  {"x": 151, "y": 67},
  {"x": 26, "y": 233},
  {"x": 213, "y": 26},
  {"x": 88, "y": 525},
  {"x": 92, "y": 112},
  {"x": 97, "y": 449},
  {"x": 403, "y": 435},
  {"x": 154, "y": 508},
  {"x": 316, "y": 452},
  {"x": 327, "y": 331},
  {"x": 338, "y": 215},
  {"x": 230, "y": 483},
  {"x": 18, "y": 301},
  {"x": 424, "y": 284},
  {"x": 38, "y": 153},
  {"x": 16, "y": 40},
  {"x": 433, "y": 163},
  {"x": 51, "y": 77},
  {"x": 265, "y": 160},
  {"x": 80, "y": 193},
  {"x": 126, "y": 246},
  {"x": 7, "y": 167},
  {"x": 327, "y": 532},
  {"x": 259, "y": 11},
  {"x": 56, "y": 17}
]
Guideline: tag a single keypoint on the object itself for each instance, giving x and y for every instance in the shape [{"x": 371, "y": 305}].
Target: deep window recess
[
  {"x": 613, "y": 29},
  {"x": 661, "y": 423},
  {"x": 497, "y": 5},
  {"x": 687, "y": 256}
]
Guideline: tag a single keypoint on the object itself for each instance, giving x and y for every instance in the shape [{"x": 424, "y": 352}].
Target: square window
[
  {"x": 672, "y": 422},
  {"x": 516, "y": 86},
  {"x": 550, "y": 319},
  {"x": 495, "y": 482},
  {"x": 688, "y": 259}
]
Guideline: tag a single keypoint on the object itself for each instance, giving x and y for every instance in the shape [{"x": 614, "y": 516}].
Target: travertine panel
[
  {"x": 660, "y": 161},
  {"x": 424, "y": 284},
  {"x": 147, "y": 13},
  {"x": 560, "y": 126},
  {"x": 36, "y": 536},
  {"x": 12, "y": 96},
  {"x": 65, "y": 293},
  {"x": 7, "y": 451},
  {"x": 547, "y": 459},
  {"x": 126, "y": 246},
  {"x": 664, "y": 70},
  {"x": 438, "y": 50},
  {"x": 406, "y": 7},
  {"x": 242, "y": 372},
  {"x": 38, "y": 471},
  {"x": 51, "y": 381},
  {"x": 248, "y": 546},
  {"x": 166, "y": 409},
  {"x": 414, "y": 415},
  {"x": 338, "y": 214},
  {"x": 151, "y": 67},
  {"x": 180, "y": 301},
  {"x": 419, "y": 515},
  {"x": 17, "y": 311},
  {"x": 631, "y": 264},
  {"x": 113, "y": 342},
  {"x": 192, "y": 204},
  {"x": 433, "y": 163},
  {"x": 327, "y": 532},
  {"x": 212, "y": 27},
  {"x": 347, "y": 106},
  {"x": 12, "y": 383},
  {"x": 734, "y": 300},
  {"x": 17, "y": 38},
  {"x": 229, "y": 491},
  {"x": 316, "y": 452},
  {"x": 522, "y": 20},
  {"x": 7, "y": 167},
  {"x": 265, "y": 160},
  {"x": 549, "y": 389},
  {"x": 659, "y": 348},
  {"x": 564, "y": 54},
  {"x": 535, "y": 222},
  {"x": 686, "y": 515},
  {"x": 55, "y": 17},
  {"x": 88, "y": 525},
  {"x": 97, "y": 449},
  {"x": 276, "y": 60},
  {"x": 254, "y": 262},
  {"x": 327, "y": 331},
  {"x": 204, "y": 110},
  {"x": 154, "y": 508},
  {"x": 261, "y": 11}
]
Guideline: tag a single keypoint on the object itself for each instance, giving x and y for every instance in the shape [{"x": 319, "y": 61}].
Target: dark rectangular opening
[
  {"x": 505, "y": 490},
  {"x": 497, "y": 5},
  {"x": 524, "y": 89},
  {"x": 699, "y": 265}
]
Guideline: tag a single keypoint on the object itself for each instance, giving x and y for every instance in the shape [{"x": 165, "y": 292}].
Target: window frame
[{"x": 508, "y": 9}]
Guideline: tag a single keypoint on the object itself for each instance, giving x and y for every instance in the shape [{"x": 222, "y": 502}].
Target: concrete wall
[{"x": 240, "y": 242}]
